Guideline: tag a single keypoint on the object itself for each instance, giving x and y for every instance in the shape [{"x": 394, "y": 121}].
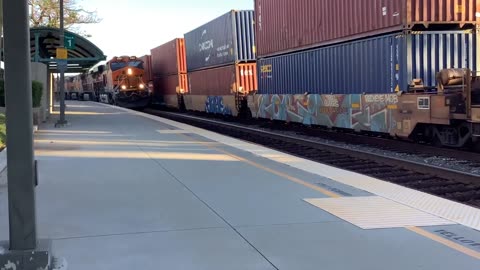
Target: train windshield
[
  {"x": 117, "y": 65},
  {"x": 137, "y": 64}
]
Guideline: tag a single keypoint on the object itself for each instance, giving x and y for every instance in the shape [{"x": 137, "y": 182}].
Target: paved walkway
[{"x": 119, "y": 191}]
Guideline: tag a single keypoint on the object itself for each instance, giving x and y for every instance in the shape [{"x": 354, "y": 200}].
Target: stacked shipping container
[
  {"x": 169, "y": 58},
  {"x": 383, "y": 64},
  {"x": 221, "y": 63},
  {"x": 225, "y": 40},
  {"x": 169, "y": 72},
  {"x": 147, "y": 65},
  {"x": 284, "y": 25},
  {"x": 345, "y": 54},
  {"x": 213, "y": 90}
]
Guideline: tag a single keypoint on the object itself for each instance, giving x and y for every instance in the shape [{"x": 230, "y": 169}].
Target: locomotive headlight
[
  {"x": 124, "y": 87},
  {"x": 130, "y": 71},
  {"x": 141, "y": 86}
]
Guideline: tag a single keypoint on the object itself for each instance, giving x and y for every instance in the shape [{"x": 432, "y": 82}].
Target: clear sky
[{"x": 133, "y": 27}]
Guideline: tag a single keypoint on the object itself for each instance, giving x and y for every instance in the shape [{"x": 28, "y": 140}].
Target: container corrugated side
[
  {"x": 223, "y": 80},
  {"x": 283, "y": 25},
  {"x": 246, "y": 77},
  {"x": 212, "y": 82},
  {"x": 169, "y": 58},
  {"x": 170, "y": 85},
  {"x": 181, "y": 56},
  {"x": 375, "y": 65},
  {"x": 429, "y": 53},
  {"x": 147, "y": 65},
  {"x": 440, "y": 12},
  {"x": 225, "y": 40},
  {"x": 244, "y": 36}
]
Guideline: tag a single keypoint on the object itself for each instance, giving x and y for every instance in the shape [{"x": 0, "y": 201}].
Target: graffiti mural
[
  {"x": 360, "y": 112},
  {"x": 215, "y": 104},
  {"x": 374, "y": 112}
]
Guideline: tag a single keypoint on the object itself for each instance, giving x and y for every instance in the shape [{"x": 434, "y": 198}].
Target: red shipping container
[
  {"x": 170, "y": 85},
  {"x": 224, "y": 80},
  {"x": 169, "y": 58},
  {"x": 147, "y": 65},
  {"x": 285, "y": 25}
]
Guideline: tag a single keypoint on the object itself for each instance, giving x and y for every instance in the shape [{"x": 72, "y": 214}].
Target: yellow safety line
[
  {"x": 446, "y": 242},
  {"x": 291, "y": 178},
  {"x": 286, "y": 176}
]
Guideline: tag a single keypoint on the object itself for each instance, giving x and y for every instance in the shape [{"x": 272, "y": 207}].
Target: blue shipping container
[
  {"x": 225, "y": 40},
  {"x": 375, "y": 65}
]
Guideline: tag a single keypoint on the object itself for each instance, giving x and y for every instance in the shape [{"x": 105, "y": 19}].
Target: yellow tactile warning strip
[
  {"x": 446, "y": 242},
  {"x": 326, "y": 171},
  {"x": 375, "y": 212}
]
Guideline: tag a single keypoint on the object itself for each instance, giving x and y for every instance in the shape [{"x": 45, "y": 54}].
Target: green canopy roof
[{"x": 45, "y": 40}]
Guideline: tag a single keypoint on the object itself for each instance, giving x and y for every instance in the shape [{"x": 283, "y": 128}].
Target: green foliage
[
  {"x": 3, "y": 131},
  {"x": 37, "y": 90},
  {"x": 47, "y": 13}
]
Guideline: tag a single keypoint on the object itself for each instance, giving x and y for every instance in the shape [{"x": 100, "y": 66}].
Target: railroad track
[
  {"x": 465, "y": 157},
  {"x": 468, "y": 157},
  {"x": 443, "y": 182}
]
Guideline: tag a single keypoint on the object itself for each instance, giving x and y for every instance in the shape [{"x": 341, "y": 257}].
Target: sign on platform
[
  {"x": 62, "y": 53},
  {"x": 69, "y": 42}
]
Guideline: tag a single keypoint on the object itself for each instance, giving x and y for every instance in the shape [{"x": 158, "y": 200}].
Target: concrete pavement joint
[
  {"x": 287, "y": 224},
  {"x": 213, "y": 210},
  {"x": 135, "y": 233}
]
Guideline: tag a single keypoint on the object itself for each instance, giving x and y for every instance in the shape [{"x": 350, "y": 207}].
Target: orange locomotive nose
[{"x": 129, "y": 74}]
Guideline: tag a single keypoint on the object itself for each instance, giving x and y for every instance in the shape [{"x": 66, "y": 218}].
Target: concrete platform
[{"x": 122, "y": 190}]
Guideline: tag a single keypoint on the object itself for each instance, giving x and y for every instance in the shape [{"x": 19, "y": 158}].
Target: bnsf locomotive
[{"x": 119, "y": 82}]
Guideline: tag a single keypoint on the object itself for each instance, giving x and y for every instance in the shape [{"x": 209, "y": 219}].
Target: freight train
[
  {"x": 409, "y": 73},
  {"x": 445, "y": 115},
  {"x": 119, "y": 82},
  {"x": 405, "y": 68}
]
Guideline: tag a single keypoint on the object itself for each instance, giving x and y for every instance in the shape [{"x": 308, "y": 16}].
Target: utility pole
[
  {"x": 18, "y": 97},
  {"x": 1, "y": 34},
  {"x": 62, "y": 67},
  {"x": 24, "y": 251}
]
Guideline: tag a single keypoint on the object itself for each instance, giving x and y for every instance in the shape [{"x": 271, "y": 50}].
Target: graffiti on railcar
[
  {"x": 361, "y": 112},
  {"x": 374, "y": 112},
  {"x": 215, "y": 105}
]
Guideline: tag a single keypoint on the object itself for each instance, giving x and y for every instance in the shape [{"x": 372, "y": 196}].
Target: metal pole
[
  {"x": 1, "y": 34},
  {"x": 18, "y": 97},
  {"x": 62, "y": 72}
]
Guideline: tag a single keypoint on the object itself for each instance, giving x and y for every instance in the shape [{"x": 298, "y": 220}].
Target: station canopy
[{"x": 82, "y": 54}]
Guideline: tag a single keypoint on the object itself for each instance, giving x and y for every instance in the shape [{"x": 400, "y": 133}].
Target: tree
[{"x": 47, "y": 13}]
